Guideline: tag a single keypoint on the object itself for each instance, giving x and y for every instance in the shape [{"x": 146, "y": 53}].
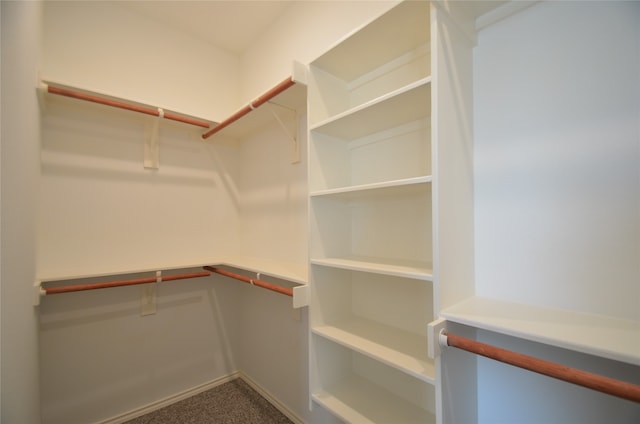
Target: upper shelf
[
  {"x": 374, "y": 44},
  {"x": 290, "y": 94},
  {"x": 289, "y": 272},
  {"x": 106, "y": 100},
  {"x": 364, "y": 188},
  {"x": 399, "y": 107},
  {"x": 602, "y": 336}
]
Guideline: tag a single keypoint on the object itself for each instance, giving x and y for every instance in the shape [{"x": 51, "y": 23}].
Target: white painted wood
[
  {"x": 452, "y": 120},
  {"x": 370, "y": 222},
  {"x": 372, "y": 186},
  {"x": 412, "y": 31},
  {"x": 407, "y": 104},
  {"x": 365, "y": 390},
  {"x": 289, "y": 271},
  {"x": 357, "y": 400},
  {"x": 390, "y": 346},
  {"x": 418, "y": 270},
  {"x": 347, "y": 84},
  {"x": 396, "y": 154},
  {"x": 377, "y": 315},
  {"x": 602, "y": 336},
  {"x": 392, "y": 224}
]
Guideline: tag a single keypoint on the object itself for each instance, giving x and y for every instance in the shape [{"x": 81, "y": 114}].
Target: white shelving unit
[{"x": 370, "y": 206}]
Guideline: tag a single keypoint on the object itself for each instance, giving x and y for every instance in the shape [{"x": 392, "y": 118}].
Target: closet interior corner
[{"x": 420, "y": 168}]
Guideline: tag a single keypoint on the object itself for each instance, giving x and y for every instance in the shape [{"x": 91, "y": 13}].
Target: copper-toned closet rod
[
  {"x": 121, "y": 283},
  {"x": 592, "y": 381},
  {"x": 265, "y": 285},
  {"x": 125, "y": 105},
  {"x": 253, "y": 105}
]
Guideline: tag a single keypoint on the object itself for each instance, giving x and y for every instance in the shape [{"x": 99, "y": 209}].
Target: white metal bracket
[{"x": 151, "y": 145}]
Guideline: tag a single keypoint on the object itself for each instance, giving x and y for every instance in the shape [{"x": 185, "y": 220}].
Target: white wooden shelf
[
  {"x": 399, "y": 349},
  {"x": 374, "y": 46},
  {"x": 289, "y": 271},
  {"x": 286, "y": 271},
  {"x": 356, "y": 400},
  {"x": 342, "y": 191},
  {"x": 602, "y": 336},
  {"x": 407, "y": 104},
  {"x": 64, "y": 275},
  {"x": 289, "y": 101},
  {"x": 408, "y": 269}
]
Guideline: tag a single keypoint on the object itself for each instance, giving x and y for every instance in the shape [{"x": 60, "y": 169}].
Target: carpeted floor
[{"x": 234, "y": 402}]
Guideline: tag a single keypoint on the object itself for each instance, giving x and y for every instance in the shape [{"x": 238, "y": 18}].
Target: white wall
[
  {"x": 106, "y": 47},
  {"x": 557, "y": 192},
  {"x": 305, "y": 30},
  {"x": 100, "y": 358},
  {"x": 557, "y": 175},
  {"x": 101, "y": 212},
  {"x": 19, "y": 165}
]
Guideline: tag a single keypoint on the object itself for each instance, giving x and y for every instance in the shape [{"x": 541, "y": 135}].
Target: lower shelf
[
  {"x": 408, "y": 269},
  {"x": 356, "y": 400},
  {"x": 399, "y": 349},
  {"x": 360, "y": 389},
  {"x": 607, "y": 337}
]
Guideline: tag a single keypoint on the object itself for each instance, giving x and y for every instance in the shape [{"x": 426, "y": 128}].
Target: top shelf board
[
  {"x": 285, "y": 105},
  {"x": 606, "y": 337},
  {"x": 405, "y": 105},
  {"x": 400, "y": 30}
]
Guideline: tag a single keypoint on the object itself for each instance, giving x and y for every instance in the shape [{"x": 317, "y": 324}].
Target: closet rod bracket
[
  {"x": 38, "y": 292},
  {"x": 435, "y": 333}
]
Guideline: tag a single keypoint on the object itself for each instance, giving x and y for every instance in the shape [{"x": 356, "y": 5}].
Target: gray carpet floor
[{"x": 230, "y": 403}]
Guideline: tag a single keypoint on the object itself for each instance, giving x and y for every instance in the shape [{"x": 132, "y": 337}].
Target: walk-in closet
[{"x": 385, "y": 212}]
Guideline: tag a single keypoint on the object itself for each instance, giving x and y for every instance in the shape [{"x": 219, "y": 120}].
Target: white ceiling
[
  {"x": 231, "y": 25},
  {"x": 234, "y": 25}
]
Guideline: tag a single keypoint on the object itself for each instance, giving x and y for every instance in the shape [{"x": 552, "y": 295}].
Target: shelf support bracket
[
  {"x": 151, "y": 147},
  {"x": 295, "y": 153}
]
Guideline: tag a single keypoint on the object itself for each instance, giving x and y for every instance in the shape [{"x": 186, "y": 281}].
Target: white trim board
[{"x": 170, "y": 400}]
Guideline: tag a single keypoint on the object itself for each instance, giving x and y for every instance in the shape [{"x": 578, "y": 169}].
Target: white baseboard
[
  {"x": 154, "y": 406},
  {"x": 272, "y": 400}
]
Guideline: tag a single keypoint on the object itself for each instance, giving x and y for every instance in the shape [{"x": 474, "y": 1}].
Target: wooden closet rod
[
  {"x": 597, "y": 382},
  {"x": 120, "y": 283},
  {"x": 273, "y": 287},
  {"x": 253, "y": 105},
  {"x": 125, "y": 105}
]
